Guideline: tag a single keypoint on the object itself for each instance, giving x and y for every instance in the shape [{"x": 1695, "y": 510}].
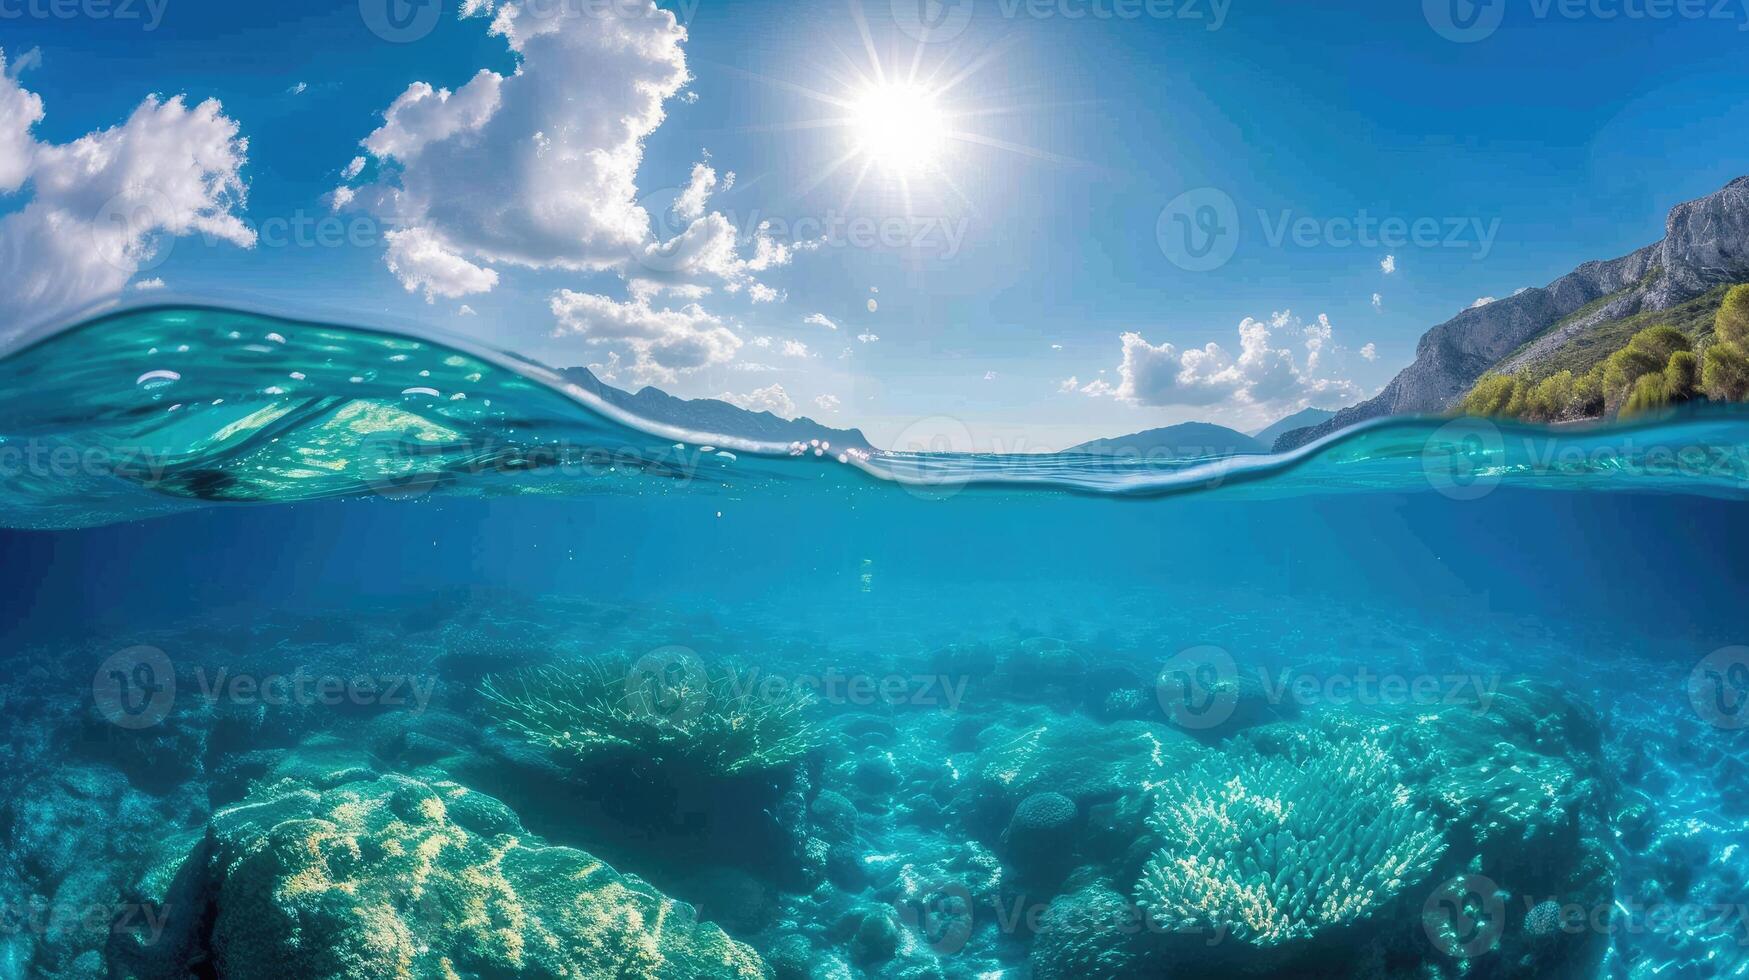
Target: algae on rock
[{"x": 381, "y": 876}]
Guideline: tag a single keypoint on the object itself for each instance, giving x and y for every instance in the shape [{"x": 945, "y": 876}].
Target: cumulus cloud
[
  {"x": 828, "y": 403},
  {"x": 795, "y": 348},
  {"x": 773, "y": 399},
  {"x": 1268, "y": 371},
  {"x": 690, "y": 206},
  {"x": 1095, "y": 388},
  {"x": 1370, "y": 352},
  {"x": 106, "y": 204},
  {"x": 1389, "y": 264},
  {"x": 538, "y": 168},
  {"x": 149, "y": 285},
  {"x": 421, "y": 260},
  {"x": 1378, "y": 301},
  {"x": 664, "y": 342},
  {"x": 1482, "y": 301},
  {"x": 867, "y": 338},
  {"x": 820, "y": 320}
]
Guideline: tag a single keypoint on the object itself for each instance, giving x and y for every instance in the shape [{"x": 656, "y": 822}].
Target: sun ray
[{"x": 1018, "y": 148}]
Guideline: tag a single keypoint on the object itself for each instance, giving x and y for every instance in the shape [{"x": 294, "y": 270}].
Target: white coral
[{"x": 1278, "y": 846}]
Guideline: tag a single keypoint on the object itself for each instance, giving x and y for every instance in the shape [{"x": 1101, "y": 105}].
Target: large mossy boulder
[{"x": 361, "y": 875}]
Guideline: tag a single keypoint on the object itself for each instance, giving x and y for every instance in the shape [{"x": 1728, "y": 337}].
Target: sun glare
[{"x": 899, "y": 127}]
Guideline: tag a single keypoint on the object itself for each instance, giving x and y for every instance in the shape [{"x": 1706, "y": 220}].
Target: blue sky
[{"x": 1020, "y": 227}]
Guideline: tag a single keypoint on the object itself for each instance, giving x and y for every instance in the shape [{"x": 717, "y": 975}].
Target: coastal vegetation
[{"x": 1659, "y": 366}]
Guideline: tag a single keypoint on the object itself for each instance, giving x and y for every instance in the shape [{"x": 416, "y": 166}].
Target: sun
[
  {"x": 907, "y": 124},
  {"x": 900, "y": 127}
]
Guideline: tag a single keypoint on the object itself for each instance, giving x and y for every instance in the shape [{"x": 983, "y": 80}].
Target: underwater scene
[{"x": 338, "y": 653}]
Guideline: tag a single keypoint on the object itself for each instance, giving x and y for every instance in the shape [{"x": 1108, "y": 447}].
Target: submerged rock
[{"x": 362, "y": 875}]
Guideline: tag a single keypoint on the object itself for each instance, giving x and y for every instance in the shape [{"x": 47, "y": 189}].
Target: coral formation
[
  {"x": 379, "y": 876},
  {"x": 602, "y": 711},
  {"x": 1279, "y": 840}
]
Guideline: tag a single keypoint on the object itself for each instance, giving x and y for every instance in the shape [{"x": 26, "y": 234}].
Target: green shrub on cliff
[
  {"x": 1725, "y": 376},
  {"x": 1649, "y": 352},
  {"x": 1732, "y": 324}
]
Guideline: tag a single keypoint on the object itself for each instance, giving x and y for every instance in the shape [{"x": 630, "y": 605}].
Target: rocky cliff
[{"x": 1706, "y": 244}]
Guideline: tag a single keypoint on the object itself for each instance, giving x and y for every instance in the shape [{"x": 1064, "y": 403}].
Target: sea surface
[{"x": 332, "y": 651}]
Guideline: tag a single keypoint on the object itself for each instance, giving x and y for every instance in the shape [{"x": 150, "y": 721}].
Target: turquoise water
[{"x": 341, "y": 653}]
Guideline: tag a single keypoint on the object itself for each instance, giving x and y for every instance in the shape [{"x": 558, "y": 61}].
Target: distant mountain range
[
  {"x": 1185, "y": 440},
  {"x": 1576, "y": 320},
  {"x": 711, "y": 416},
  {"x": 1195, "y": 439},
  {"x": 1298, "y": 420}
]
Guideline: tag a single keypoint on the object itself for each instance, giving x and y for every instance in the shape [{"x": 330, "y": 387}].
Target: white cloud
[
  {"x": 1094, "y": 389},
  {"x": 691, "y": 204},
  {"x": 353, "y": 169},
  {"x": 609, "y": 371},
  {"x": 664, "y": 342},
  {"x": 1482, "y": 301},
  {"x": 299, "y": 89},
  {"x": 149, "y": 285},
  {"x": 989, "y": 376},
  {"x": 820, "y": 320},
  {"x": 874, "y": 307},
  {"x": 867, "y": 338},
  {"x": 107, "y": 204},
  {"x": 1370, "y": 352},
  {"x": 828, "y": 403},
  {"x": 20, "y": 110},
  {"x": 1389, "y": 265},
  {"x": 465, "y": 310},
  {"x": 1266, "y": 372},
  {"x": 773, "y": 399},
  {"x": 1378, "y": 301},
  {"x": 539, "y": 168},
  {"x": 421, "y": 260},
  {"x": 795, "y": 348}
]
